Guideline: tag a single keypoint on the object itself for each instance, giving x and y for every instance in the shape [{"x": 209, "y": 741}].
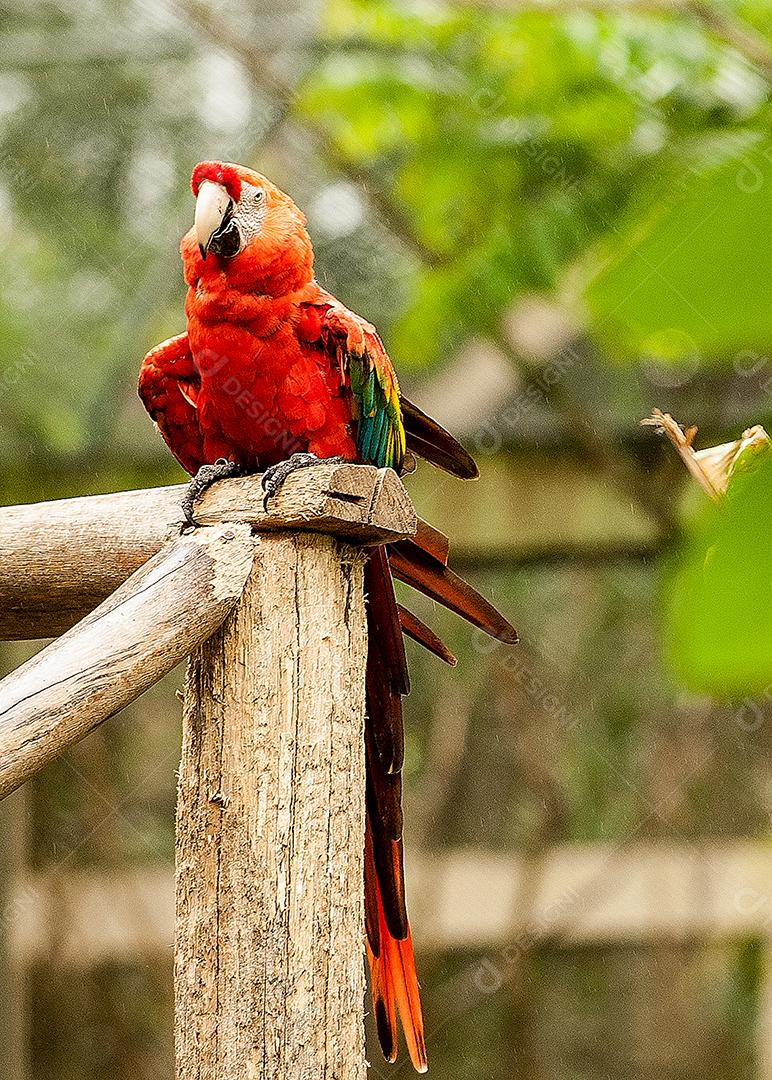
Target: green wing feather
[
  {"x": 373, "y": 384},
  {"x": 380, "y": 431}
]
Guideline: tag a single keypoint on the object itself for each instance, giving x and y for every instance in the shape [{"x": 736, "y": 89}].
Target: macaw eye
[{"x": 258, "y": 195}]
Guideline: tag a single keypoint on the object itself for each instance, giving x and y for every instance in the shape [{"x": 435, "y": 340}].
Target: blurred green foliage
[
  {"x": 694, "y": 280},
  {"x": 517, "y": 145},
  {"x": 619, "y": 164},
  {"x": 717, "y": 592},
  {"x": 512, "y": 147}
]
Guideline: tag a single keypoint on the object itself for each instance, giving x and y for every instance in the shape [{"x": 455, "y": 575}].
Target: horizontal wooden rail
[
  {"x": 591, "y": 895},
  {"x": 60, "y": 559}
]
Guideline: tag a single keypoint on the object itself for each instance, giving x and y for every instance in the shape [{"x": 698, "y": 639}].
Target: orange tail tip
[
  {"x": 394, "y": 986},
  {"x": 405, "y": 983},
  {"x": 383, "y": 1005}
]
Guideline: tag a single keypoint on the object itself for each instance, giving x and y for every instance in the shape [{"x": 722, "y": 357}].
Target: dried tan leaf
[{"x": 714, "y": 466}]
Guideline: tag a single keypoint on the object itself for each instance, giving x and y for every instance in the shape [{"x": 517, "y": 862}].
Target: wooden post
[
  {"x": 269, "y": 971},
  {"x": 15, "y": 1019}
]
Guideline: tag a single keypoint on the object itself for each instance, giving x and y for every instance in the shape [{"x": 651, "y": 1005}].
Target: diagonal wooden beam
[{"x": 163, "y": 611}]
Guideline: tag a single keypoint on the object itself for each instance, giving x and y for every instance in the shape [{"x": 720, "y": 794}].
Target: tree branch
[{"x": 734, "y": 31}]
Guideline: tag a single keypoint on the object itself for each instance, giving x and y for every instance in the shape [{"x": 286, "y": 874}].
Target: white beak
[{"x": 211, "y": 205}]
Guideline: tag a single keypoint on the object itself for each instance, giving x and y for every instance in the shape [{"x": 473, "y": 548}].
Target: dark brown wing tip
[
  {"x": 456, "y": 461},
  {"x": 468, "y": 468},
  {"x": 432, "y": 441},
  {"x": 508, "y": 635},
  {"x": 420, "y": 632},
  {"x": 385, "y": 1034}
]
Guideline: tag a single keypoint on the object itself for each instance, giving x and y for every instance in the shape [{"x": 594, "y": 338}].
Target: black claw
[
  {"x": 204, "y": 478},
  {"x": 275, "y": 475}
]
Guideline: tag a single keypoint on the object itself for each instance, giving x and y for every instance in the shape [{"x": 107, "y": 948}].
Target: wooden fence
[{"x": 270, "y": 813}]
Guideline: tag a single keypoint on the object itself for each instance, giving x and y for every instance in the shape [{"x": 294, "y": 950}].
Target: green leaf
[
  {"x": 718, "y": 589},
  {"x": 675, "y": 287}
]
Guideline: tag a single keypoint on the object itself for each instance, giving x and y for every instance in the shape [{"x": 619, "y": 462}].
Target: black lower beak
[
  {"x": 226, "y": 242},
  {"x": 202, "y": 249}
]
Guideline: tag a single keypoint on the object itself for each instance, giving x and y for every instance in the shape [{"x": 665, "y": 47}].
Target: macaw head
[{"x": 244, "y": 219}]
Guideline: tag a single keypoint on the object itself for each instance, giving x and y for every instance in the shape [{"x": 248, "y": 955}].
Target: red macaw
[{"x": 273, "y": 367}]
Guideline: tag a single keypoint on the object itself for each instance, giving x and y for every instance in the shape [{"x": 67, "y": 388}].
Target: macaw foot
[
  {"x": 203, "y": 480},
  {"x": 275, "y": 475}
]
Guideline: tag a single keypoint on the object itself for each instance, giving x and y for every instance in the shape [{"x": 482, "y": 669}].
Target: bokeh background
[{"x": 558, "y": 213}]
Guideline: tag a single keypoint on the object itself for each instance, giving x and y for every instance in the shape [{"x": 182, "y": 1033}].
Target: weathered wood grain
[
  {"x": 269, "y": 976},
  {"x": 60, "y": 559},
  {"x": 172, "y": 604}
]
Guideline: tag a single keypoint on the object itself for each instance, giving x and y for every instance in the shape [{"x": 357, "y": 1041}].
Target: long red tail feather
[
  {"x": 422, "y": 563},
  {"x": 416, "y": 567},
  {"x": 387, "y": 677},
  {"x": 393, "y": 980}
]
